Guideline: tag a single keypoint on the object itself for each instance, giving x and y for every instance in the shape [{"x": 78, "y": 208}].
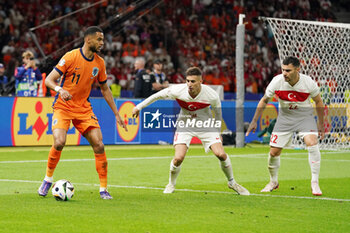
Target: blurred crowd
[{"x": 179, "y": 33}]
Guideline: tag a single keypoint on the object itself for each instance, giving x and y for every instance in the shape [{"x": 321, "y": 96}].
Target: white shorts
[
  {"x": 207, "y": 139},
  {"x": 283, "y": 137}
]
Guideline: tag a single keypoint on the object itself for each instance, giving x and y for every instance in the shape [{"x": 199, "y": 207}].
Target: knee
[
  {"x": 177, "y": 161},
  {"x": 222, "y": 156},
  {"x": 310, "y": 140},
  {"x": 59, "y": 143},
  {"x": 275, "y": 153},
  {"x": 311, "y": 143},
  {"x": 98, "y": 147}
]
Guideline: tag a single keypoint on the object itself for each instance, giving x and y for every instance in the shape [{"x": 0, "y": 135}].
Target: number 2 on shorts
[{"x": 273, "y": 138}]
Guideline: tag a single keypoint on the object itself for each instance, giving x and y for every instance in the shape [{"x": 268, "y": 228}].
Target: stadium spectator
[
  {"x": 178, "y": 77},
  {"x": 143, "y": 80},
  {"x": 295, "y": 115},
  {"x": 78, "y": 66},
  {"x": 157, "y": 74},
  {"x": 195, "y": 100},
  {"x": 201, "y": 33},
  {"x": 3, "y": 78},
  {"x": 28, "y": 76}
]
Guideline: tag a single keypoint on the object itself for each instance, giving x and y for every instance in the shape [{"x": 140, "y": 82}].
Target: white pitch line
[
  {"x": 191, "y": 190},
  {"x": 249, "y": 156}
]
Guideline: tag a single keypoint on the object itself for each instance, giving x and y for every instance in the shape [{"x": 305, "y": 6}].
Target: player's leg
[
  {"x": 181, "y": 143},
  {"x": 311, "y": 142},
  {"x": 226, "y": 167},
  {"x": 273, "y": 166},
  {"x": 94, "y": 136},
  {"x": 60, "y": 126},
  {"x": 279, "y": 139}
]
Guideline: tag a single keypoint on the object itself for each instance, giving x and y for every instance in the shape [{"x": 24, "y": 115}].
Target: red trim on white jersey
[
  {"x": 292, "y": 96},
  {"x": 192, "y": 106}
]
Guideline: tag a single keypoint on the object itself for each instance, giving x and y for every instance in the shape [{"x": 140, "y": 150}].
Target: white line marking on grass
[
  {"x": 249, "y": 156},
  {"x": 190, "y": 190}
]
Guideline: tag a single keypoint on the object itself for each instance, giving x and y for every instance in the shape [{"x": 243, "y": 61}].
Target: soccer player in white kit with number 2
[
  {"x": 293, "y": 91},
  {"x": 195, "y": 120}
]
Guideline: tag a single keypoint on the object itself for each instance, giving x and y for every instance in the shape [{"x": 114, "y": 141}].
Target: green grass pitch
[{"x": 201, "y": 203}]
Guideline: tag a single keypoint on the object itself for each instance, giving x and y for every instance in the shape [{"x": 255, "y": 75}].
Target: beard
[{"x": 94, "y": 49}]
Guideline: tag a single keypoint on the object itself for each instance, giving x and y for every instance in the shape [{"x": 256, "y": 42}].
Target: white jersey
[
  {"x": 294, "y": 101},
  {"x": 195, "y": 112}
]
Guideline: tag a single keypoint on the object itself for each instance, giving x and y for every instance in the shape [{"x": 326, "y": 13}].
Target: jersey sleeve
[
  {"x": 163, "y": 94},
  {"x": 64, "y": 63},
  {"x": 19, "y": 71},
  {"x": 216, "y": 106},
  {"x": 314, "y": 89},
  {"x": 102, "y": 76},
  {"x": 271, "y": 88},
  {"x": 153, "y": 78},
  {"x": 38, "y": 74}
]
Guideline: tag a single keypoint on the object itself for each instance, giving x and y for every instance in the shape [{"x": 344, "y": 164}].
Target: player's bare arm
[
  {"x": 107, "y": 94},
  {"x": 259, "y": 110},
  {"x": 50, "y": 82},
  {"x": 320, "y": 115}
]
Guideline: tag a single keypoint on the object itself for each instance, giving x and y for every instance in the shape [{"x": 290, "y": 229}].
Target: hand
[
  {"x": 65, "y": 95},
  {"x": 135, "y": 112},
  {"x": 321, "y": 130},
  {"x": 121, "y": 122},
  {"x": 30, "y": 64},
  {"x": 252, "y": 127}
]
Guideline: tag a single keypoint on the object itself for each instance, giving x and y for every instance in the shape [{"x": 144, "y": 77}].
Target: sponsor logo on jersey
[
  {"x": 132, "y": 124},
  {"x": 31, "y": 123}
]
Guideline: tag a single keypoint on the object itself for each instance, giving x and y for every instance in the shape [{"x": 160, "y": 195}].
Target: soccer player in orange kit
[{"x": 78, "y": 70}]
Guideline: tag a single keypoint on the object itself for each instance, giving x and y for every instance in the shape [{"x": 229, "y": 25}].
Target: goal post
[{"x": 324, "y": 52}]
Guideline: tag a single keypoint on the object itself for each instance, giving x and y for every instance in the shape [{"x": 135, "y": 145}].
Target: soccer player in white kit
[
  {"x": 294, "y": 91},
  {"x": 195, "y": 120}
]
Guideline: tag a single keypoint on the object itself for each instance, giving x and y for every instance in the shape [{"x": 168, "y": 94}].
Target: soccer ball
[{"x": 63, "y": 190}]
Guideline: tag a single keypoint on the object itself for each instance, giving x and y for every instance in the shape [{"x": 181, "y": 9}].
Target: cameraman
[{"x": 27, "y": 76}]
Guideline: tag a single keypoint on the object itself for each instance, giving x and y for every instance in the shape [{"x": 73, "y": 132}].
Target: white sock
[
  {"x": 226, "y": 167},
  {"x": 174, "y": 172},
  {"x": 274, "y": 165},
  {"x": 49, "y": 179},
  {"x": 314, "y": 161},
  {"x": 102, "y": 189}
]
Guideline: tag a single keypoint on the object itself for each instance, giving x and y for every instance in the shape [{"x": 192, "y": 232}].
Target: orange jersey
[{"x": 78, "y": 75}]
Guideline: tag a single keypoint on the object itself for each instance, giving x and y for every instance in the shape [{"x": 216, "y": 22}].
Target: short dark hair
[
  {"x": 193, "y": 71},
  {"x": 291, "y": 60},
  {"x": 92, "y": 30}
]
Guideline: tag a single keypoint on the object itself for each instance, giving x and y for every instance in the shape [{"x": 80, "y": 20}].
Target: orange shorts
[{"x": 82, "y": 122}]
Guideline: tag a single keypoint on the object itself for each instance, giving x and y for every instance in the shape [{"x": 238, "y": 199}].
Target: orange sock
[
  {"x": 101, "y": 168},
  {"x": 54, "y": 157}
]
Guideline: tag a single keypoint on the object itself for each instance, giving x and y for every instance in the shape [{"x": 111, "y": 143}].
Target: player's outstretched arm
[
  {"x": 163, "y": 94},
  {"x": 258, "y": 112},
  {"x": 50, "y": 82},
  {"x": 107, "y": 94},
  {"x": 320, "y": 115}
]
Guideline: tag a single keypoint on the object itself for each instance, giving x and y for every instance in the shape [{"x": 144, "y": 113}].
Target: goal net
[{"x": 324, "y": 53}]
